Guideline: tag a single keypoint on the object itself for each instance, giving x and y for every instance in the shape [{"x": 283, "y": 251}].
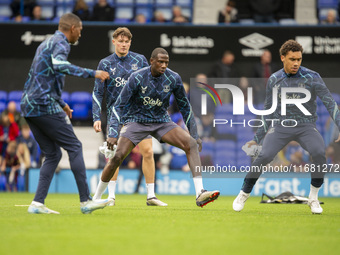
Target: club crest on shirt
[
  {"x": 144, "y": 89},
  {"x": 166, "y": 88},
  {"x": 134, "y": 67},
  {"x": 301, "y": 85},
  {"x": 113, "y": 71}
]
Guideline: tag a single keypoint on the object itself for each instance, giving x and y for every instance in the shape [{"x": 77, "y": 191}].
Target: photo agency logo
[{"x": 281, "y": 97}]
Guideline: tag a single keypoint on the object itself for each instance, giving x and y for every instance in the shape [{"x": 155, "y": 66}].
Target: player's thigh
[
  {"x": 46, "y": 144},
  {"x": 178, "y": 137},
  {"x": 311, "y": 140},
  {"x": 124, "y": 147},
  {"x": 275, "y": 140},
  {"x": 145, "y": 147}
]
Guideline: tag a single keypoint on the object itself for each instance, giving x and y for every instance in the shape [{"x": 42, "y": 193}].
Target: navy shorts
[{"x": 136, "y": 132}]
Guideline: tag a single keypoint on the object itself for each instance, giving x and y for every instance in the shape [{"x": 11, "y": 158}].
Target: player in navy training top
[
  {"x": 298, "y": 126},
  {"x": 120, "y": 65},
  {"x": 142, "y": 108},
  {"x": 49, "y": 116}
]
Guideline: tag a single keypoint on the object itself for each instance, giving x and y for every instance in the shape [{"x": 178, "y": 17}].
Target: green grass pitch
[{"x": 131, "y": 227}]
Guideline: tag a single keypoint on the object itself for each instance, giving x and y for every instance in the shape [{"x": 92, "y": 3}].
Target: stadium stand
[
  {"x": 3, "y": 96},
  {"x": 81, "y": 103},
  {"x": 125, "y": 10}
]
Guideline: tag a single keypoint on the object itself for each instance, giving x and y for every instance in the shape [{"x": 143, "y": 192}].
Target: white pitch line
[{"x": 21, "y": 205}]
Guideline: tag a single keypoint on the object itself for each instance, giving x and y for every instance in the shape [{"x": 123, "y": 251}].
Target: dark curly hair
[{"x": 290, "y": 45}]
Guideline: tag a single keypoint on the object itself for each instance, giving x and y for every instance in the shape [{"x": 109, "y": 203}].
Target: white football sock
[
  {"x": 150, "y": 187},
  {"x": 100, "y": 189},
  {"x": 313, "y": 194},
  {"x": 198, "y": 183},
  {"x": 112, "y": 189},
  {"x": 36, "y": 203}
]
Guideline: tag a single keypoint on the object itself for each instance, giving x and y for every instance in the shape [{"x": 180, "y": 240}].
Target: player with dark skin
[
  {"x": 149, "y": 117},
  {"x": 176, "y": 137}
]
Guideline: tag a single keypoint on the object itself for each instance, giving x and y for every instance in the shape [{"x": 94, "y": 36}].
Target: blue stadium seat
[
  {"x": 81, "y": 103},
  {"x": 164, "y": 2},
  {"x": 3, "y": 182},
  {"x": 127, "y": 2},
  {"x": 3, "y": 96},
  {"x": 224, "y": 109},
  {"x": 81, "y": 97},
  {"x": 14, "y": 95},
  {"x": 47, "y": 11},
  {"x": 167, "y": 12},
  {"x": 81, "y": 112},
  {"x": 62, "y": 9},
  {"x": 328, "y": 4},
  {"x": 66, "y": 97},
  {"x": 187, "y": 3},
  {"x": 5, "y": 10},
  {"x": 146, "y": 11},
  {"x": 287, "y": 22},
  {"x": 247, "y": 21},
  {"x": 207, "y": 148},
  {"x": 225, "y": 153},
  {"x": 144, "y": 2},
  {"x": 2, "y": 106},
  {"x": 124, "y": 13}
]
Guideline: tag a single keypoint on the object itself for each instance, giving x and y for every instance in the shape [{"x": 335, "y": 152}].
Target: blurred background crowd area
[
  {"x": 222, "y": 143},
  {"x": 223, "y": 12}
]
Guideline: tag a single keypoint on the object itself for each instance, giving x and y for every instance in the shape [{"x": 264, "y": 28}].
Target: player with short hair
[
  {"x": 292, "y": 75},
  {"x": 120, "y": 65},
  {"x": 49, "y": 116},
  {"x": 146, "y": 97}
]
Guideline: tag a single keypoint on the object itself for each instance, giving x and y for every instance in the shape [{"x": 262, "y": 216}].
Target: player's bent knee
[{"x": 147, "y": 152}]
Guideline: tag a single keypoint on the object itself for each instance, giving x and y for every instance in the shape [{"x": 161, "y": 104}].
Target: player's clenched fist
[{"x": 102, "y": 75}]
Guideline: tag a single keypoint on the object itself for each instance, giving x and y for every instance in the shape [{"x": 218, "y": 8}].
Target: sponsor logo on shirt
[
  {"x": 152, "y": 102},
  {"x": 144, "y": 89},
  {"x": 120, "y": 81}
]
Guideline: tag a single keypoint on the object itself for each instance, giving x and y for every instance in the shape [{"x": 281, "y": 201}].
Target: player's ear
[{"x": 282, "y": 58}]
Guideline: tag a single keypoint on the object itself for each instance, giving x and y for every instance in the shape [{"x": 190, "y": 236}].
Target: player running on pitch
[
  {"x": 49, "y": 116},
  {"x": 146, "y": 97},
  {"x": 120, "y": 65},
  {"x": 292, "y": 75}
]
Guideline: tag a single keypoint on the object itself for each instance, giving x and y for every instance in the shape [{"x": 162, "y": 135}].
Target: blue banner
[{"x": 180, "y": 183}]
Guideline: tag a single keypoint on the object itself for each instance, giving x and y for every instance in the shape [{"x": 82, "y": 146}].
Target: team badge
[
  {"x": 144, "y": 89},
  {"x": 134, "y": 67},
  {"x": 166, "y": 88},
  {"x": 301, "y": 85},
  {"x": 113, "y": 71}
]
